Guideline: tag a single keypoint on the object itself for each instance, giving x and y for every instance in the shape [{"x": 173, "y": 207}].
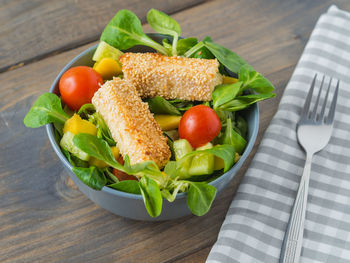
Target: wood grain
[
  {"x": 44, "y": 218},
  {"x": 31, "y": 30}
]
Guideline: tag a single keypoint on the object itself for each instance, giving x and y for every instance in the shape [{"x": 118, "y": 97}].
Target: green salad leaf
[
  {"x": 241, "y": 126},
  {"x": 226, "y": 57},
  {"x": 184, "y": 44},
  {"x": 164, "y": 24},
  {"x": 159, "y": 105},
  {"x": 91, "y": 176},
  {"x": 86, "y": 110},
  {"x": 175, "y": 188},
  {"x": 149, "y": 169},
  {"x": 254, "y": 80},
  {"x": 242, "y": 102},
  {"x": 152, "y": 196},
  {"x": 182, "y": 105},
  {"x": 233, "y": 138},
  {"x": 46, "y": 109},
  {"x": 103, "y": 131},
  {"x": 200, "y": 196},
  {"x": 127, "y": 186},
  {"x": 224, "y": 93},
  {"x": 125, "y": 31},
  {"x": 97, "y": 148},
  {"x": 199, "y": 50}
]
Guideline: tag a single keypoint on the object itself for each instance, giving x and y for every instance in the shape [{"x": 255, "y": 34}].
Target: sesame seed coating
[
  {"x": 175, "y": 77},
  {"x": 131, "y": 123}
]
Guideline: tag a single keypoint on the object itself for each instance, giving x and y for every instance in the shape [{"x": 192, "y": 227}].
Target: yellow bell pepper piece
[
  {"x": 101, "y": 164},
  {"x": 108, "y": 67},
  {"x": 115, "y": 151},
  {"x": 167, "y": 122},
  {"x": 218, "y": 163},
  {"x": 77, "y": 125},
  {"x": 229, "y": 80}
]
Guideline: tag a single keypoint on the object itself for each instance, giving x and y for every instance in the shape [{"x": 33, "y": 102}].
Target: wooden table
[{"x": 43, "y": 217}]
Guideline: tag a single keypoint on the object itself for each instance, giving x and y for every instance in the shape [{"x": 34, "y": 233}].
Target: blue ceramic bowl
[{"x": 131, "y": 205}]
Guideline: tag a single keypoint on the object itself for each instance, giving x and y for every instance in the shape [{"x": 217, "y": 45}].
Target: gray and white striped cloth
[{"x": 257, "y": 218}]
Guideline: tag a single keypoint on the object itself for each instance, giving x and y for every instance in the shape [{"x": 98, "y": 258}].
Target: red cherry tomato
[
  {"x": 78, "y": 85},
  {"x": 199, "y": 125}
]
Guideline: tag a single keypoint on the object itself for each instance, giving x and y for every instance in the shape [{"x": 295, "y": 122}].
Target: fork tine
[
  {"x": 306, "y": 108},
  {"x": 314, "y": 111},
  {"x": 331, "y": 113},
  {"x": 325, "y": 101}
]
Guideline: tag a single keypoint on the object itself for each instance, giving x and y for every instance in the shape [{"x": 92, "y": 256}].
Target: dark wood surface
[{"x": 43, "y": 217}]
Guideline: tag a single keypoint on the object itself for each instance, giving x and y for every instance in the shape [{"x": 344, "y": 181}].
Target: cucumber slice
[
  {"x": 104, "y": 50},
  {"x": 202, "y": 163},
  {"x": 67, "y": 144},
  {"x": 181, "y": 148}
]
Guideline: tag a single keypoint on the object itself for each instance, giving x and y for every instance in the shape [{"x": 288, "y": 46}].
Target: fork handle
[{"x": 293, "y": 238}]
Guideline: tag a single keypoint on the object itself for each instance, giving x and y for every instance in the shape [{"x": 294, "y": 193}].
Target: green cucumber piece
[
  {"x": 202, "y": 163},
  {"x": 181, "y": 148},
  {"x": 67, "y": 144},
  {"x": 104, "y": 50}
]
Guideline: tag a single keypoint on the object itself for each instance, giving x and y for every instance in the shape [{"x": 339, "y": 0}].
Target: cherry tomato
[
  {"x": 78, "y": 85},
  {"x": 199, "y": 125}
]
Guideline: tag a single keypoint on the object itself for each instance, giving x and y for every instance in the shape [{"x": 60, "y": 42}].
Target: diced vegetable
[
  {"x": 229, "y": 80},
  {"x": 168, "y": 122},
  {"x": 203, "y": 163},
  {"x": 104, "y": 50},
  {"x": 181, "y": 148},
  {"x": 67, "y": 144},
  {"x": 77, "y": 125},
  {"x": 218, "y": 163},
  {"x": 108, "y": 67},
  {"x": 237, "y": 157}
]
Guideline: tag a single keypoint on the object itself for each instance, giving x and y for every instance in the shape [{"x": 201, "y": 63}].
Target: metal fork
[{"x": 313, "y": 131}]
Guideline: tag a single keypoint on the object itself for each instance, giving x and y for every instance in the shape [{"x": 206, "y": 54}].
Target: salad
[{"x": 153, "y": 124}]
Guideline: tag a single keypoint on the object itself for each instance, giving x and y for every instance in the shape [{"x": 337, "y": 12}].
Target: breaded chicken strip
[
  {"x": 175, "y": 77},
  {"x": 132, "y": 125}
]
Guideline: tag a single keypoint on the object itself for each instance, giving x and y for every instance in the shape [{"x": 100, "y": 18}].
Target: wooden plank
[
  {"x": 43, "y": 217},
  {"x": 31, "y": 30}
]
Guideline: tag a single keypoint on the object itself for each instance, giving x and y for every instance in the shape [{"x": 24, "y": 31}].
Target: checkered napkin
[{"x": 257, "y": 218}]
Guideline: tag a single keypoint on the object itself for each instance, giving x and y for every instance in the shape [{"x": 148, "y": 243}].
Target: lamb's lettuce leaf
[
  {"x": 200, "y": 196},
  {"x": 46, "y": 109},
  {"x": 164, "y": 24},
  {"x": 125, "y": 31},
  {"x": 128, "y": 186},
  {"x": 152, "y": 196},
  {"x": 233, "y": 138},
  {"x": 91, "y": 176}
]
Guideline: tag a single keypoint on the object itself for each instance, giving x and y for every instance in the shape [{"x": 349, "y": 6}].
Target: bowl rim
[{"x": 234, "y": 168}]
